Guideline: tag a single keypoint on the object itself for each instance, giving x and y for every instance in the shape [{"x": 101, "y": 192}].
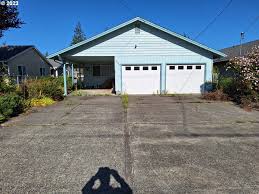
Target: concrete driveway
[{"x": 160, "y": 145}]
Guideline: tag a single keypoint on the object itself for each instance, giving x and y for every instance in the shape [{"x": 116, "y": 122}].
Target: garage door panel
[
  {"x": 184, "y": 79},
  {"x": 141, "y": 79}
]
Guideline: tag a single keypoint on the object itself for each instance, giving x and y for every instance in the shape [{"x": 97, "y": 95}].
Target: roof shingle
[
  {"x": 6, "y": 52},
  {"x": 234, "y": 51}
]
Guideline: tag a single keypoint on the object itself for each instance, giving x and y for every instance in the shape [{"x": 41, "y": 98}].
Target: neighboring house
[
  {"x": 142, "y": 58},
  {"x": 57, "y": 68},
  {"x": 231, "y": 52},
  {"x": 23, "y": 61}
]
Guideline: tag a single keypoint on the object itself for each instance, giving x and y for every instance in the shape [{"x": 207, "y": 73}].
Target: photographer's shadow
[{"x": 100, "y": 183}]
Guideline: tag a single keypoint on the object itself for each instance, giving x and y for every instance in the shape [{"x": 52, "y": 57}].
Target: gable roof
[
  {"x": 138, "y": 19},
  {"x": 234, "y": 51},
  {"x": 9, "y": 51},
  {"x": 55, "y": 64}
]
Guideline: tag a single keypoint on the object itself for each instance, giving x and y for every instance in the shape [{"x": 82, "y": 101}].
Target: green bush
[
  {"x": 45, "y": 87},
  {"x": 227, "y": 84},
  {"x": 10, "y": 105},
  {"x": 6, "y": 85},
  {"x": 69, "y": 82},
  {"x": 238, "y": 91}
]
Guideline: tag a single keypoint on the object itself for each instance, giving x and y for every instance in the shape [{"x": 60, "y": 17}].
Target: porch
[{"x": 90, "y": 72}]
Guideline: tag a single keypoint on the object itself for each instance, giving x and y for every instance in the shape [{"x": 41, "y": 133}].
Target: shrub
[
  {"x": 2, "y": 118},
  {"x": 10, "y": 105},
  {"x": 60, "y": 80},
  {"x": 6, "y": 85},
  {"x": 246, "y": 81},
  {"x": 45, "y": 101},
  {"x": 44, "y": 87},
  {"x": 217, "y": 95},
  {"x": 246, "y": 68},
  {"x": 227, "y": 85}
]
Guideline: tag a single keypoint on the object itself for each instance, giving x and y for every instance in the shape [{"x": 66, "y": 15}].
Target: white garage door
[
  {"x": 184, "y": 79},
  {"x": 141, "y": 79}
]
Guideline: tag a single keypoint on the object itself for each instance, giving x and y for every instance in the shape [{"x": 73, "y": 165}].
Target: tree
[
  {"x": 46, "y": 54},
  {"x": 246, "y": 68},
  {"x": 9, "y": 18},
  {"x": 78, "y": 34}
]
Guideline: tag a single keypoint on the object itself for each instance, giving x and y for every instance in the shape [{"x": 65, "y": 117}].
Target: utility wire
[
  {"x": 214, "y": 19},
  {"x": 251, "y": 24}
]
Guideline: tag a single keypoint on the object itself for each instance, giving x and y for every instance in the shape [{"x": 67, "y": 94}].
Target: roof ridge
[{"x": 237, "y": 45}]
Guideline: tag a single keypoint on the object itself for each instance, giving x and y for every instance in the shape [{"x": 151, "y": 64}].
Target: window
[
  {"x": 21, "y": 70},
  {"x": 198, "y": 67},
  {"x": 42, "y": 71},
  {"x": 127, "y": 68},
  {"x": 189, "y": 67},
  {"x": 172, "y": 67},
  {"x": 136, "y": 68},
  {"x": 154, "y": 68},
  {"x": 96, "y": 70},
  {"x": 180, "y": 67},
  {"x": 145, "y": 68}
]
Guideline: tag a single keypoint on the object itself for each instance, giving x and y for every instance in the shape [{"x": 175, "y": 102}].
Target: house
[
  {"x": 142, "y": 58},
  {"x": 57, "y": 68},
  {"x": 231, "y": 52},
  {"x": 23, "y": 61}
]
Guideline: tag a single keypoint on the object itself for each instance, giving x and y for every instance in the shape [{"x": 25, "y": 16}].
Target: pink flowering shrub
[
  {"x": 246, "y": 81},
  {"x": 246, "y": 69}
]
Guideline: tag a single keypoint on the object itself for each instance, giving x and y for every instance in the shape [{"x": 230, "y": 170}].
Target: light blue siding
[{"x": 150, "y": 41}]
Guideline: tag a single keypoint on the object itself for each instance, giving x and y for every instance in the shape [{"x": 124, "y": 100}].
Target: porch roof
[{"x": 90, "y": 59}]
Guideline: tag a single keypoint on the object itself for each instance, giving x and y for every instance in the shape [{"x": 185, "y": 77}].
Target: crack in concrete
[
  {"x": 183, "y": 115},
  {"x": 128, "y": 156}
]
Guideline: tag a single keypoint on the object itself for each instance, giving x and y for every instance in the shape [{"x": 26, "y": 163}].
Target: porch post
[
  {"x": 65, "y": 78},
  {"x": 72, "y": 73}
]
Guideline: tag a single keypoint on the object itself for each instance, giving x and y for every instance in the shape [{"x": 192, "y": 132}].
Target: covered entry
[{"x": 141, "y": 79}]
